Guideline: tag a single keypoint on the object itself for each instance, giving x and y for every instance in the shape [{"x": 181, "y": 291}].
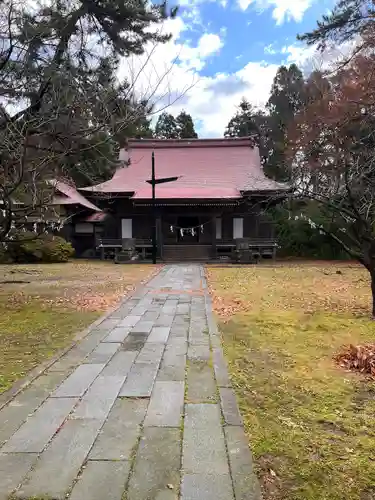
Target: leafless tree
[{"x": 60, "y": 96}]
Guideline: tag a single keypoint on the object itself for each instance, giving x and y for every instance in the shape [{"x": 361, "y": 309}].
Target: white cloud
[
  {"x": 282, "y": 10},
  {"x": 195, "y": 57},
  {"x": 214, "y": 109},
  {"x": 308, "y": 58},
  {"x": 168, "y": 75}
]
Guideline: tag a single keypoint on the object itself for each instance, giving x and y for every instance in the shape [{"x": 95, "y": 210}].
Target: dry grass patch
[
  {"x": 45, "y": 306},
  {"x": 309, "y": 421}
]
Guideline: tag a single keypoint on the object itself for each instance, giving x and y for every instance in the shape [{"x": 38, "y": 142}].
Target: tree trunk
[{"x": 372, "y": 274}]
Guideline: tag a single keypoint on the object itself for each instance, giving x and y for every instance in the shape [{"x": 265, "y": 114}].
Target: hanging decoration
[{"x": 189, "y": 230}]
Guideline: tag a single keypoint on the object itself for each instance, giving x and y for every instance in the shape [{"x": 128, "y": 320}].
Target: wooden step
[{"x": 187, "y": 253}]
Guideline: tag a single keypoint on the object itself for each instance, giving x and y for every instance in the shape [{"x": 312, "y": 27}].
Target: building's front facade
[{"x": 215, "y": 207}]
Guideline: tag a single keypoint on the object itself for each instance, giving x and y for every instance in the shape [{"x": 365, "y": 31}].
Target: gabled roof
[
  {"x": 70, "y": 196},
  {"x": 207, "y": 168}
]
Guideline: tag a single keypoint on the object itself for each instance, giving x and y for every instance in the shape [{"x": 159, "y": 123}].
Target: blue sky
[{"x": 222, "y": 50}]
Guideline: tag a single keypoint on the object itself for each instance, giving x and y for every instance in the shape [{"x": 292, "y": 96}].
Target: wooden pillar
[
  {"x": 159, "y": 237},
  {"x": 257, "y": 221},
  {"x": 213, "y": 230}
]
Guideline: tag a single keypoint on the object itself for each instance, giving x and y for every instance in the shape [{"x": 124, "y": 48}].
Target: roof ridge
[{"x": 191, "y": 143}]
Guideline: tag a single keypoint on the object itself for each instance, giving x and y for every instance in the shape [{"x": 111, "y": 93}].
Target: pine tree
[
  {"x": 348, "y": 19},
  {"x": 243, "y": 123},
  {"x": 166, "y": 127},
  {"x": 58, "y": 66},
  {"x": 185, "y": 126}
]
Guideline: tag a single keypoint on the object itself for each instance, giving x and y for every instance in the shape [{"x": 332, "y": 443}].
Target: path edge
[
  {"x": 21, "y": 384},
  {"x": 239, "y": 454}
]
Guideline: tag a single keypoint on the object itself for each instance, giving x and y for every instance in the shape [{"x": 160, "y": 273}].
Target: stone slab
[
  {"x": 164, "y": 320},
  {"x": 143, "y": 327},
  {"x": 108, "y": 324},
  {"x": 16, "y": 412},
  {"x": 173, "y": 364},
  {"x": 166, "y": 405},
  {"x": 79, "y": 381},
  {"x": 166, "y": 309},
  {"x": 13, "y": 469},
  {"x": 157, "y": 465},
  {"x": 92, "y": 339},
  {"x": 150, "y": 316},
  {"x": 171, "y": 301},
  {"x": 36, "y": 432},
  {"x": 120, "y": 433},
  {"x": 202, "y": 416},
  {"x": 69, "y": 361},
  {"x": 179, "y": 331},
  {"x": 207, "y": 487},
  {"x": 101, "y": 480},
  {"x": 199, "y": 352},
  {"x": 99, "y": 398},
  {"x": 198, "y": 334},
  {"x": 129, "y": 321},
  {"x": 183, "y": 308},
  {"x": 59, "y": 465},
  {"x": 245, "y": 482},
  {"x": 140, "y": 380},
  {"x": 176, "y": 346},
  {"x": 122, "y": 312},
  {"x": 201, "y": 385},
  {"x": 144, "y": 301},
  {"x": 118, "y": 334},
  {"x": 181, "y": 320},
  {"x": 197, "y": 341},
  {"x": 103, "y": 353},
  {"x": 151, "y": 353},
  {"x": 134, "y": 341},
  {"x": 139, "y": 311},
  {"x": 159, "y": 334},
  {"x": 204, "y": 450},
  {"x": 220, "y": 368},
  {"x": 120, "y": 364},
  {"x": 229, "y": 406},
  {"x": 79, "y": 352}
]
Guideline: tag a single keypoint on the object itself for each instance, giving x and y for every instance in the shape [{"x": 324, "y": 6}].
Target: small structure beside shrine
[{"x": 216, "y": 209}]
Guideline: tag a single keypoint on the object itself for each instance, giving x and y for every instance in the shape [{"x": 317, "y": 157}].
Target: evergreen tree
[
  {"x": 166, "y": 127},
  {"x": 348, "y": 19},
  {"x": 288, "y": 95},
  {"x": 185, "y": 126},
  {"x": 243, "y": 123},
  {"x": 57, "y": 82}
]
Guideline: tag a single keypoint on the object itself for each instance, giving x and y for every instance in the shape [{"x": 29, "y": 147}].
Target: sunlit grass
[
  {"x": 310, "y": 423},
  {"x": 44, "y": 313}
]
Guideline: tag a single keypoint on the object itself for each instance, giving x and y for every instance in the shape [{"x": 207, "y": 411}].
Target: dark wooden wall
[{"x": 255, "y": 224}]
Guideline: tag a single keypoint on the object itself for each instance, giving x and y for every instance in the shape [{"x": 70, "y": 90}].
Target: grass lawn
[
  {"x": 50, "y": 303},
  {"x": 310, "y": 423}
]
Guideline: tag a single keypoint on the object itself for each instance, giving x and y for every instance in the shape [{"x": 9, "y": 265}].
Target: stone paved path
[{"x": 140, "y": 409}]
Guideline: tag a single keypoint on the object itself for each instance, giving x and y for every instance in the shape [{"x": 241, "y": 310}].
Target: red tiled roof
[
  {"x": 71, "y": 196},
  {"x": 96, "y": 217},
  {"x": 167, "y": 191},
  {"x": 207, "y": 168}
]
